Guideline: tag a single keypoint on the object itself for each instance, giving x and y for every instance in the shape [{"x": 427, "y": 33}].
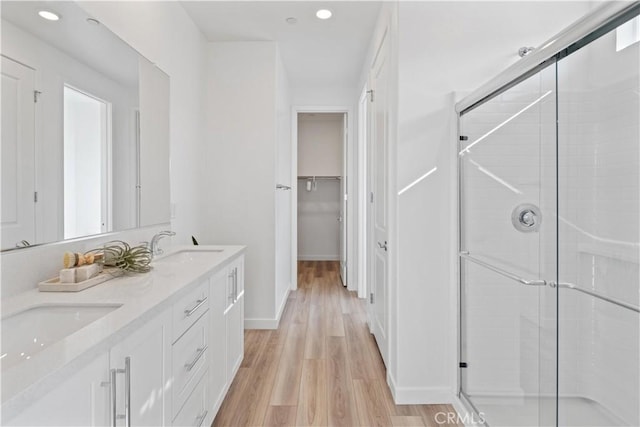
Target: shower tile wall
[{"x": 599, "y": 110}]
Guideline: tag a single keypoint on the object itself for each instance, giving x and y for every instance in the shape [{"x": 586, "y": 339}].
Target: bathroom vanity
[{"x": 160, "y": 348}]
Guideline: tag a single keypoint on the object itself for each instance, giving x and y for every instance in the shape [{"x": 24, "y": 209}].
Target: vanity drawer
[
  {"x": 189, "y": 309},
  {"x": 190, "y": 358},
  {"x": 195, "y": 410}
]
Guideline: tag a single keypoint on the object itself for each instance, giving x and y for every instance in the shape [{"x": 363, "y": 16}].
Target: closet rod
[{"x": 320, "y": 177}]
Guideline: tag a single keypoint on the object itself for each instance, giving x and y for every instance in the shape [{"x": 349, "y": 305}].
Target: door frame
[
  {"x": 351, "y": 221},
  {"x": 363, "y": 170}
]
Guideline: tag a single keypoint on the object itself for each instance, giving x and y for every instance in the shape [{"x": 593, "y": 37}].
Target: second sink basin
[
  {"x": 186, "y": 256},
  {"x": 32, "y": 330}
]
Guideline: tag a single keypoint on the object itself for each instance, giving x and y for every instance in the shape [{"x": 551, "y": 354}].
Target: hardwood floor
[{"x": 321, "y": 367}]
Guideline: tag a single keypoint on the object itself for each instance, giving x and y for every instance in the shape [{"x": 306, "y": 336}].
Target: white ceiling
[
  {"x": 93, "y": 45},
  {"x": 315, "y": 53}
]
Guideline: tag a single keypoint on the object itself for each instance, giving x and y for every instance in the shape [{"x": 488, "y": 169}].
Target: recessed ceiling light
[
  {"x": 48, "y": 15},
  {"x": 291, "y": 20},
  {"x": 93, "y": 21},
  {"x": 324, "y": 14}
]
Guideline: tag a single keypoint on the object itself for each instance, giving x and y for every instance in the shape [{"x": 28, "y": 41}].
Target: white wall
[
  {"x": 286, "y": 268},
  {"x": 320, "y": 143},
  {"x": 247, "y": 97}
]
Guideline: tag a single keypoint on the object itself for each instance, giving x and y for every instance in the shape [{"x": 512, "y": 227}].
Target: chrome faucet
[{"x": 153, "y": 247}]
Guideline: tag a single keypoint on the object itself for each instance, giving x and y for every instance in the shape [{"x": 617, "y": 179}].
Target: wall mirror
[{"x": 85, "y": 128}]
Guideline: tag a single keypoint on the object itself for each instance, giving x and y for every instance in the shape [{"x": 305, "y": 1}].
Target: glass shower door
[
  {"x": 508, "y": 247},
  {"x": 599, "y": 231}
]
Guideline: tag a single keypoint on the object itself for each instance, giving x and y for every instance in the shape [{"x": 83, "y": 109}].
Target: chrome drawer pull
[
  {"x": 200, "y": 419},
  {"x": 190, "y": 365},
  {"x": 188, "y": 312}
]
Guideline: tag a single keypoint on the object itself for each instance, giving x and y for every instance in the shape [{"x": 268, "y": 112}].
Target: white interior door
[
  {"x": 18, "y": 145},
  {"x": 379, "y": 298},
  {"x": 344, "y": 204}
]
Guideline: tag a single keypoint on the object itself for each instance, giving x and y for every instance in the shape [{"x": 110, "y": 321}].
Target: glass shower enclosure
[{"x": 549, "y": 250}]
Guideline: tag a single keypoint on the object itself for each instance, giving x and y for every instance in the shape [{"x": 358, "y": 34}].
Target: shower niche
[{"x": 549, "y": 318}]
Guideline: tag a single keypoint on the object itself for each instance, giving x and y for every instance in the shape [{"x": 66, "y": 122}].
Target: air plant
[{"x": 119, "y": 254}]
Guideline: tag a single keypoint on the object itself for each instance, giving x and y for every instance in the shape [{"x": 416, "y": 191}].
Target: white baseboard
[
  {"x": 419, "y": 395},
  {"x": 268, "y": 323},
  {"x": 318, "y": 257},
  {"x": 283, "y": 304}
]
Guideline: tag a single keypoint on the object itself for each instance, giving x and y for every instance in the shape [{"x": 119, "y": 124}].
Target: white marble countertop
[{"x": 140, "y": 296}]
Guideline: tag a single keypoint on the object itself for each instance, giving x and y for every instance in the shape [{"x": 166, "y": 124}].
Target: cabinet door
[
  {"x": 218, "y": 291},
  {"x": 82, "y": 400},
  {"x": 148, "y": 351},
  {"x": 235, "y": 337}
]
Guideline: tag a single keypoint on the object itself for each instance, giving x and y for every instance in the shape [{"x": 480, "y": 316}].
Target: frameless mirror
[{"x": 85, "y": 128}]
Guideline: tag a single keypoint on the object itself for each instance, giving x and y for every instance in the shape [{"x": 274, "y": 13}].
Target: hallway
[{"x": 321, "y": 367}]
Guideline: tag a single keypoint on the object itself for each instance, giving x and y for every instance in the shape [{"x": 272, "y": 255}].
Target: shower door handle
[
  {"x": 533, "y": 282},
  {"x": 383, "y": 246},
  {"x": 537, "y": 282}
]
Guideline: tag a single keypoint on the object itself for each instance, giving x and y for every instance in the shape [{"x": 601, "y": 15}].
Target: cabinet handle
[
  {"x": 235, "y": 284},
  {"x": 114, "y": 414},
  {"x": 188, "y": 312},
  {"x": 127, "y": 391},
  {"x": 127, "y": 394},
  {"x": 232, "y": 292},
  {"x": 190, "y": 365},
  {"x": 200, "y": 419}
]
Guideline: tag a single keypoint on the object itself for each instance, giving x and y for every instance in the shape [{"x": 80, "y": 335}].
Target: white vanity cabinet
[
  {"x": 190, "y": 355},
  {"x": 218, "y": 337},
  {"x": 136, "y": 366},
  {"x": 140, "y": 373},
  {"x": 226, "y": 321},
  {"x": 234, "y": 316},
  {"x": 172, "y": 370}
]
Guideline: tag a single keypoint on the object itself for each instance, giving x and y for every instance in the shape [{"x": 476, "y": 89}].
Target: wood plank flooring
[{"x": 321, "y": 367}]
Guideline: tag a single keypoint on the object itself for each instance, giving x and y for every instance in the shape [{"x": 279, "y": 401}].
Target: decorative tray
[{"x": 54, "y": 285}]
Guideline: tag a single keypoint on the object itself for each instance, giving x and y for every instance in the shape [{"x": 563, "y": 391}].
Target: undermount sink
[
  {"x": 186, "y": 256},
  {"x": 34, "y": 329}
]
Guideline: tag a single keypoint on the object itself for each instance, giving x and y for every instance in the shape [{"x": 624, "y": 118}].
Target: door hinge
[
  {"x": 371, "y": 298},
  {"x": 371, "y": 197},
  {"x": 462, "y": 364},
  {"x": 370, "y": 92},
  {"x": 36, "y": 95},
  {"x": 35, "y": 197}
]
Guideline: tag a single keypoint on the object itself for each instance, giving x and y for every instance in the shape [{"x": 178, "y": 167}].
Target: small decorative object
[
  {"x": 72, "y": 259},
  {"x": 134, "y": 259}
]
